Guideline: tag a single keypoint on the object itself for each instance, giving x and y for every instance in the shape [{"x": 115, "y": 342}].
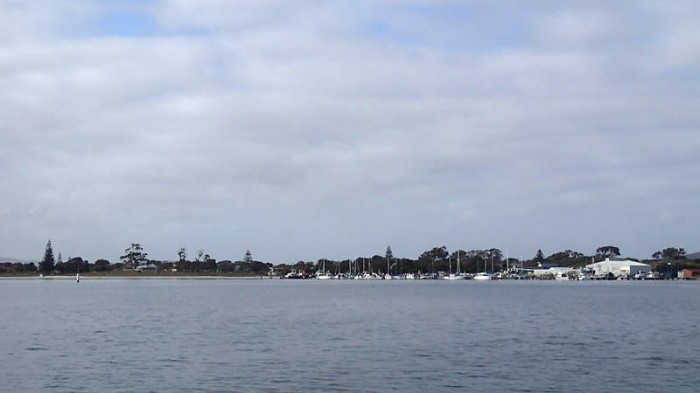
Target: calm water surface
[{"x": 348, "y": 336}]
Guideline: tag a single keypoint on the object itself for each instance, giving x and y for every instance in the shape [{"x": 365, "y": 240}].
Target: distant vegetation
[{"x": 135, "y": 260}]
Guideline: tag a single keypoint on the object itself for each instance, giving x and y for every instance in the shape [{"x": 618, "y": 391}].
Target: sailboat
[
  {"x": 482, "y": 275},
  {"x": 324, "y": 275},
  {"x": 367, "y": 274},
  {"x": 457, "y": 275},
  {"x": 387, "y": 275}
]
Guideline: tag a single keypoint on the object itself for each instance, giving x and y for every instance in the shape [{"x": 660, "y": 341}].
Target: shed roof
[{"x": 608, "y": 262}]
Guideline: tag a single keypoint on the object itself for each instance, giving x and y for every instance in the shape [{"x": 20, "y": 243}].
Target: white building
[{"x": 619, "y": 268}]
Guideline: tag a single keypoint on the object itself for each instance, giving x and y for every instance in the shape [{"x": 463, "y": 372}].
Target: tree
[
  {"x": 225, "y": 266},
  {"x": 429, "y": 259},
  {"x": 388, "y": 256},
  {"x": 564, "y": 255},
  {"x": 539, "y": 257},
  {"x": 74, "y": 265},
  {"x": 18, "y": 267},
  {"x": 496, "y": 257},
  {"x": 101, "y": 265},
  {"x": 134, "y": 255},
  {"x": 183, "y": 266},
  {"x": 46, "y": 265},
  {"x": 204, "y": 263},
  {"x": 493, "y": 256},
  {"x": 607, "y": 252},
  {"x": 670, "y": 253},
  {"x": 182, "y": 254},
  {"x": 567, "y": 258}
]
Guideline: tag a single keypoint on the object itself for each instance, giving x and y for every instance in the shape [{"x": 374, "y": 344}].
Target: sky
[{"x": 308, "y": 129}]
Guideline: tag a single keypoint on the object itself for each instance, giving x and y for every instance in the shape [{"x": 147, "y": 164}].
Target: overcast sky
[{"x": 331, "y": 129}]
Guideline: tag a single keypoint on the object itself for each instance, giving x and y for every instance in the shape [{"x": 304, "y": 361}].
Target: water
[{"x": 348, "y": 336}]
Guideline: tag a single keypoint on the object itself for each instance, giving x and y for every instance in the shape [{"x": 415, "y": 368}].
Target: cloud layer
[{"x": 315, "y": 129}]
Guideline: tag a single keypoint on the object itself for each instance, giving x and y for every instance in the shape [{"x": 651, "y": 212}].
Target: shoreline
[{"x": 136, "y": 277}]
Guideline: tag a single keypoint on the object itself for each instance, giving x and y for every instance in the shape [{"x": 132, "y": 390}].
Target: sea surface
[{"x": 175, "y": 335}]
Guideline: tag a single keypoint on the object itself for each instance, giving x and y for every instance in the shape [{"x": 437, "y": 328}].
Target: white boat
[
  {"x": 323, "y": 274},
  {"x": 387, "y": 275},
  {"x": 454, "y": 276},
  {"x": 367, "y": 276},
  {"x": 482, "y": 276},
  {"x": 294, "y": 275}
]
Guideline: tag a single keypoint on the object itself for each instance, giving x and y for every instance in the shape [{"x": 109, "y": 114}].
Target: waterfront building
[
  {"x": 689, "y": 274},
  {"x": 619, "y": 268}
]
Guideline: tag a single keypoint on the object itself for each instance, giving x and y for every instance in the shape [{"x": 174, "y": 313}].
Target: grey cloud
[{"x": 300, "y": 133}]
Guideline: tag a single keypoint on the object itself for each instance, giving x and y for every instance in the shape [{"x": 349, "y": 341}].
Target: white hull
[{"x": 482, "y": 276}]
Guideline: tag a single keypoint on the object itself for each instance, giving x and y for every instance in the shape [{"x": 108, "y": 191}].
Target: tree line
[{"x": 430, "y": 261}]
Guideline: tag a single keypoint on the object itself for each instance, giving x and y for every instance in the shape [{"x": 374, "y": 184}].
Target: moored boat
[
  {"x": 294, "y": 275},
  {"x": 482, "y": 276}
]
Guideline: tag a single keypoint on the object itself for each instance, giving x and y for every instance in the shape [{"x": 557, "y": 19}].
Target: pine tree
[
  {"x": 47, "y": 264},
  {"x": 539, "y": 257}
]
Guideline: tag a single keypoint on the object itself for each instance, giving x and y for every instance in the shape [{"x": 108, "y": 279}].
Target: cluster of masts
[{"x": 323, "y": 274}]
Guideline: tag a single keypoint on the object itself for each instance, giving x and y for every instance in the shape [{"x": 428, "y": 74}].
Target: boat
[
  {"x": 387, "y": 275},
  {"x": 294, "y": 275},
  {"x": 454, "y": 276},
  {"x": 482, "y": 276},
  {"x": 323, "y": 274}
]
